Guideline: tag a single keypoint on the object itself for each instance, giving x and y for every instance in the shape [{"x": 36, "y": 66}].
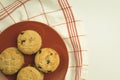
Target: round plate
[{"x": 50, "y": 38}]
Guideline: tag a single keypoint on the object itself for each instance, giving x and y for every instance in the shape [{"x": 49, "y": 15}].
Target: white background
[{"x": 101, "y": 19}]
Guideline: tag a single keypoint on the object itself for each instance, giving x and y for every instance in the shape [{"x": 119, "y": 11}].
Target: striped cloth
[{"x": 63, "y": 17}]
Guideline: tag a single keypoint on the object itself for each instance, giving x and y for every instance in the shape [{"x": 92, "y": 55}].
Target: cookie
[
  {"x": 29, "y": 42},
  {"x": 11, "y": 60},
  {"x": 30, "y": 73},
  {"x": 47, "y": 60}
]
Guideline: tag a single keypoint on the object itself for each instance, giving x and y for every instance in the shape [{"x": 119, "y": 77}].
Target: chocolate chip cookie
[
  {"x": 30, "y": 73},
  {"x": 11, "y": 60},
  {"x": 29, "y": 42},
  {"x": 47, "y": 60}
]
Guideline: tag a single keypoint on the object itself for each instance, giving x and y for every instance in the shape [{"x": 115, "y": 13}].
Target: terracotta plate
[{"x": 50, "y": 38}]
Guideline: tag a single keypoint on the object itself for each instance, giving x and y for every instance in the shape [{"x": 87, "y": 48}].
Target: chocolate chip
[
  {"x": 49, "y": 71},
  {"x": 23, "y": 41},
  {"x": 48, "y": 61},
  {"x": 33, "y": 65},
  {"x": 22, "y": 33},
  {"x": 40, "y": 51},
  {"x": 39, "y": 67},
  {"x": 51, "y": 53}
]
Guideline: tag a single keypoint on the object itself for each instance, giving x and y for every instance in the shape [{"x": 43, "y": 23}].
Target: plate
[{"x": 50, "y": 38}]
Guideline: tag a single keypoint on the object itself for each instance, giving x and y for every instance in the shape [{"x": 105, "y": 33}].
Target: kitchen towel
[{"x": 62, "y": 16}]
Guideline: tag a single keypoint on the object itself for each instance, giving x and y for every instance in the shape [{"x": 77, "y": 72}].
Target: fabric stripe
[
  {"x": 24, "y": 9},
  {"x": 44, "y": 12},
  {"x": 72, "y": 32},
  {"x": 10, "y": 8},
  {"x": 7, "y": 13}
]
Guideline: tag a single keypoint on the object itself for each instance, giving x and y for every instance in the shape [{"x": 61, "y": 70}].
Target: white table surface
[{"x": 101, "y": 20}]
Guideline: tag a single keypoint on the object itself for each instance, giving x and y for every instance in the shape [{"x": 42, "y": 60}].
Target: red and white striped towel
[{"x": 62, "y": 16}]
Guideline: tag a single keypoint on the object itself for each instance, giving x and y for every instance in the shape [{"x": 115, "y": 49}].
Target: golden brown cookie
[
  {"x": 47, "y": 60},
  {"x": 29, "y": 42},
  {"x": 11, "y": 60},
  {"x": 30, "y": 73}
]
